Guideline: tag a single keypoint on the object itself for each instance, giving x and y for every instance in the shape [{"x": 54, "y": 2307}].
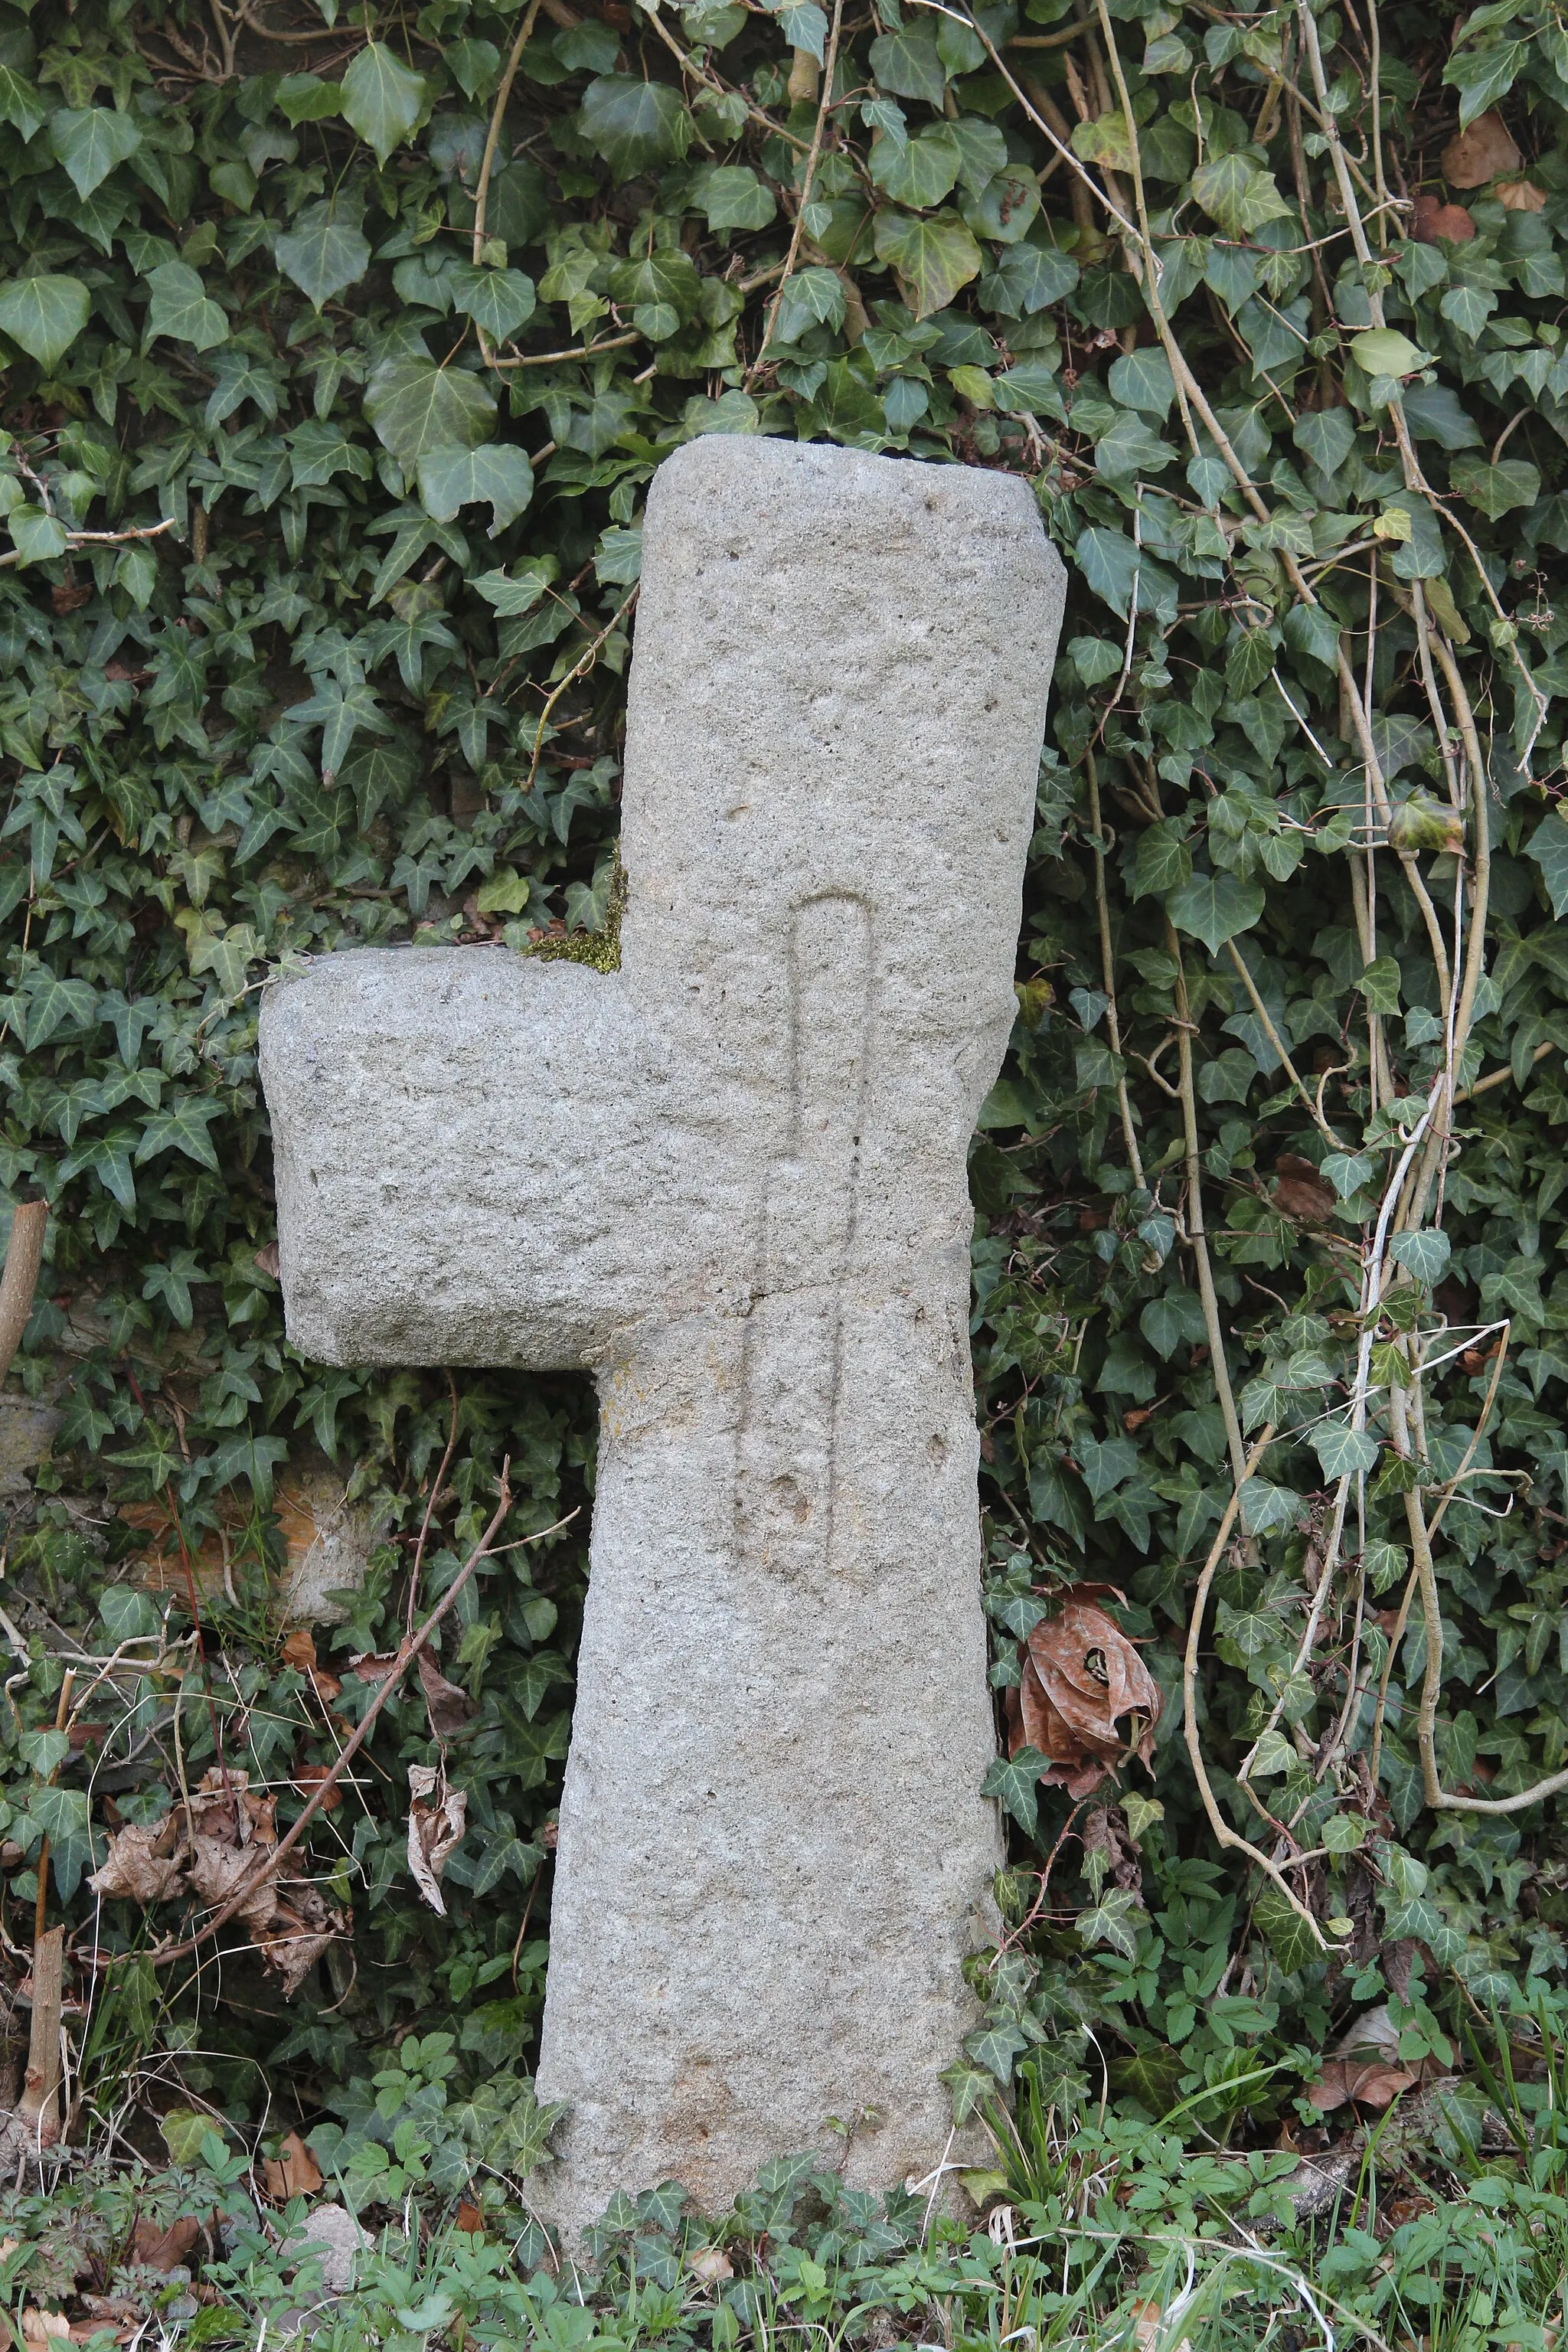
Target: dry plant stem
[
  {"x": 809, "y": 173},
  {"x": 545, "y": 359},
  {"x": 1123, "y": 1101},
  {"x": 413, "y": 1573},
  {"x": 412, "y": 1645},
  {"x": 1324, "y": 1129},
  {"x": 39, "y": 2110},
  {"x": 1218, "y": 1368},
  {"x": 24, "y": 1256},
  {"x": 578, "y": 670},
  {"x": 1223, "y": 1832},
  {"x": 492, "y": 138}
]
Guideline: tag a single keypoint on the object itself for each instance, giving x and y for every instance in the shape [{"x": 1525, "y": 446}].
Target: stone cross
[{"x": 729, "y": 1180}]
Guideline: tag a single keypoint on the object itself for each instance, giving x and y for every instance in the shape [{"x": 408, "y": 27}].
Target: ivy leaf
[
  {"x": 20, "y": 104},
  {"x": 381, "y": 100},
  {"x": 1383, "y": 351},
  {"x": 995, "y": 2046},
  {"x": 1496, "y": 490},
  {"x": 1424, "y": 1255},
  {"x": 498, "y": 300},
  {"x": 1547, "y": 845},
  {"x": 1483, "y": 74},
  {"x": 1214, "y": 908},
  {"x": 497, "y": 475},
  {"x": 181, "y": 1128},
  {"x": 322, "y": 254},
  {"x": 1291, "y": 1939},
  {"x": 1343, "y": 1452},
  {"x": 934, "y": 255},
  {"x": 1347, "y": 1172},
  {"x": 1110, "y": 1921},
  {"x": 919, "y": 172},
  {"x": 1379, "y": 983},
  {"x": 1237, "y": 194},
  {"x": 907, "y": 65},
  {"x": 45, "y": 315},
  {"x": 90, "y": 142},
  {"x": 1265, "y": 1506},
  {"x": 53, "y": 1004},
  {"x": 416, "y": 406},
  {"x": 634, "y": 124},
  {"x": 734, "y": 198},
  {"x": 1016, "y": 1780},
  {"x": 181, "y": 310}
]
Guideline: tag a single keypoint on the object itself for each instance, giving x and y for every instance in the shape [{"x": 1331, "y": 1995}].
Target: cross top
[{"x": 730, "y": 1180}]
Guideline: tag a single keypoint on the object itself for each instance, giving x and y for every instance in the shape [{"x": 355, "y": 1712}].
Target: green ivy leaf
[
  {"x": 918, "y": 172},
  {"x": 907, "y": 63},
  {"x": 634, "y": 124},
  {"x": 321, "y": 254},
  {"x": 181, "y": 310},
  {"x": 498, "y": 300},
  {"x": 497, "y": 475},
  {"x": 90, "y": 142},
  {"x": 1016, "y": 1780},
  {"x": 1343, "y": 1452},
  {"x": 1291, "y": 1939},
  {"x": 1424, "y": 1255},
  {"x": 381, "y": 100},
  {"x": 1214, "y": 908},
  {"x": 45, "y": 315},
  {"x": 933, "y": 256},
  {"x": 1237, "y": 194},
  {"x": 1547, "y": 845},
  {"x": 416, "y": 407}
]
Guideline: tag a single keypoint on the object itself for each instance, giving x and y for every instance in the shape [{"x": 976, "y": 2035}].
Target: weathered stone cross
[{"x": 730, "y": 1180}]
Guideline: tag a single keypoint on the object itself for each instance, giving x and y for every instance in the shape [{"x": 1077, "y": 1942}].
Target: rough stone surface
[
  {"x": 329, "y": 1542},
  {"x": 27, "y": 1433},
  {"x": 336, "y": 2239},
  {"x": 730, "y": 1179}
]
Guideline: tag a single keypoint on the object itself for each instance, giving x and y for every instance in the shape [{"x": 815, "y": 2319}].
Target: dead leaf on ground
[
  {"x": 436, "y": 1820},
  {"x": 158, "y": 2248},
  {"x": 450, "y": 1705},
  {"x": 470, "y": 2220},
  {"x": 301, "y": 1927},
  {"x": 219, "y": 1871},
  {"x": 1521, "y": 196},
  {"x": 143, "y": 1866},
  {"x": 1431, "y": 219},
  {"x": 41, "y": 2327},
  {"x": 1150, "y": 2328},
  {"x": 309, "y": 1778},
  {"x": 1300, "y": 1191},
  {"x": 292, "y": 2172},
  {"x": 164, "y": 1567},
  {"x": 1483, "y": 153},
  {"x": 1105, "y": 1832},
  {"x": 300, "y": 1651},
  {"x": 1082, "y": 1677},
  {"x": 1363, "y": 2082},
  {"x": 373, "y": 1666},
  {"x": 712, "y": 2265},
  {"x": 266, "y": 1259}
]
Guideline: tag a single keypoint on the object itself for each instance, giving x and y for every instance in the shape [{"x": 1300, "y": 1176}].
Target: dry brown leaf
[
  {"x": 1150, "y": 2328},
  {"x": 300, "y": 1651},
  {"x": 1082, "y": 1677},
  {"x": 1365, "y": 2083},
  {"x": 436, "y": 1820},
  {"x": 265, "y": 1258},
  {"x": 143, "y": 1866},
  {"x": 470, "y": 2220},
  {"x": 219, "y": 1871},
  {"x": 292, "y": 2172},
  {"x": 41, "y": 2327},
  {"x": 160, "y": 2249},
  {"x": 1483, "y": 153},
  {"x": 1300, "y": 1192},
  {"x": 373, "y": 1666},
  {"x": 308, "y": 1778},
  {"x": 1521, "y": 196},
  {"x": 712, "y": 2265},
  {"x": 1431, "y": 219},
  {"x": 302, "y": 1924},
  {"x": 450, "y": 1707}
]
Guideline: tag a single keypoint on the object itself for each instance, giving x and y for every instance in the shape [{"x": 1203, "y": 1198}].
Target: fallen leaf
[
  {"x": 436, "y": 1820},
  {"x": 712, "y": 2265},
  {"x": 266, "y": 1259},
  {"x": 373, "y": 1666},
  {"x": 1153, "y": 2327},
  {"x": 303, "y": 1925},
  {"x": 1483, "y": 153},
  {"x": 1105, "y": 1832},
  {"x": 450, "y": 1707},
  {"x": 160, "y": 2249},
  {"x": 66, "y": 599},
  {"x": 1431, "y": 219},
  {"x": 1521, "y": 196},
  {"x": 143, "y": 1866},
  {"x": 219, "y": 1871},
  {"x": 1300, "y": 1191},
  {"x": 1082, "y": 1677},
  {"x": 308, "y": 1778},
  {"x": 470, "y": 2220},
  {"x": 300, "y": 1651},
  {"x": 164, "y": 1567},
  {"x": 41, "y": 2327},
  {"x": 1362, "y": 2082},
  {"x": 292, "y": 2172}
]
